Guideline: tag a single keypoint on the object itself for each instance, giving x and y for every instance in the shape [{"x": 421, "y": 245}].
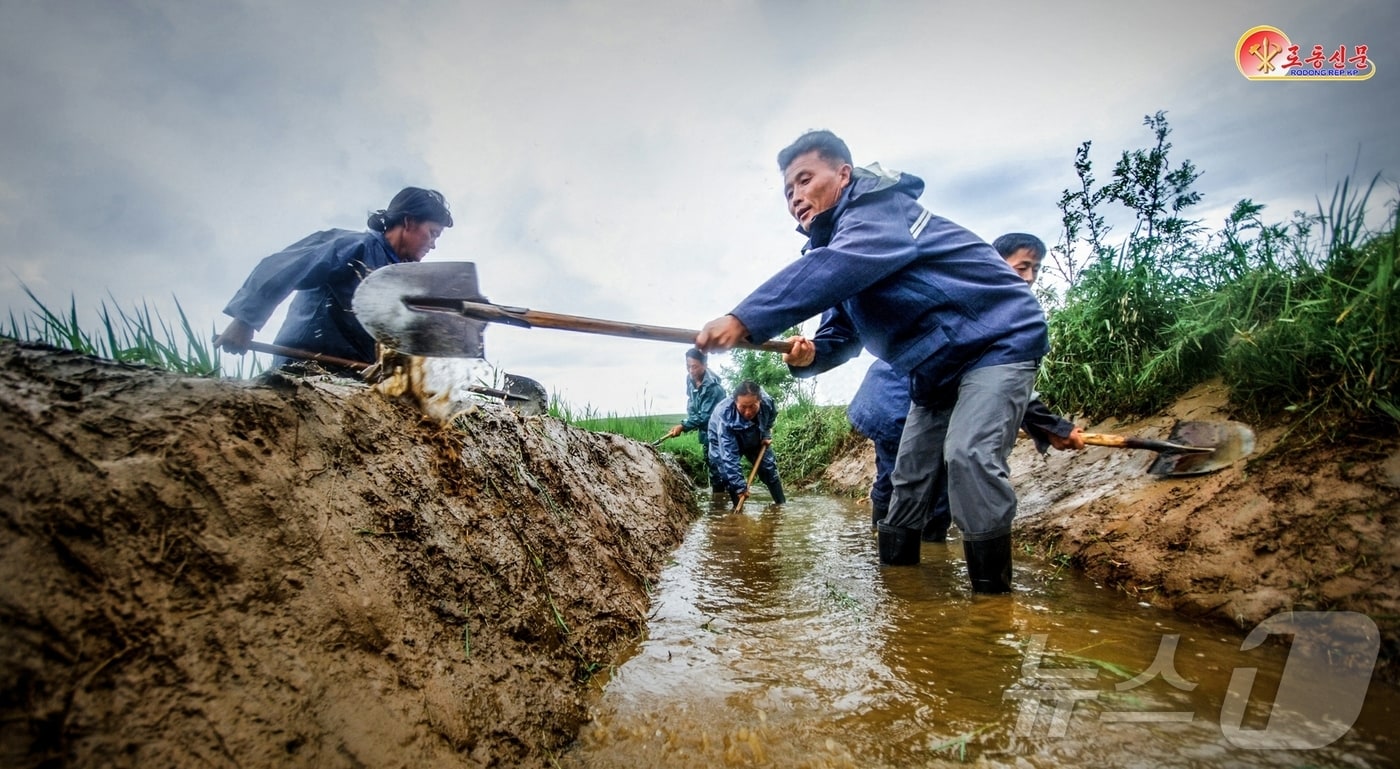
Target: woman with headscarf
[{"x": 324, "y": 269}]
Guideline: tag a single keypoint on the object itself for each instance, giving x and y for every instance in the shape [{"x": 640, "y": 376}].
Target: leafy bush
[
  {"x": 807, "y": 437},
  {"x": 1299, "y": 318},
  {"x": 767, "y": 370}
]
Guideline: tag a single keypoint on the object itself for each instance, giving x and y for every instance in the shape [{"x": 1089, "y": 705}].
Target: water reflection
[{"x": 777, "y": 640}]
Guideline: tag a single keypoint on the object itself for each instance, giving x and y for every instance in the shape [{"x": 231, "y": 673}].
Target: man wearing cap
[{"x": 325, "y": 269}]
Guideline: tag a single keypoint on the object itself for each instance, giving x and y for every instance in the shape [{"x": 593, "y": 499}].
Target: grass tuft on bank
[{"x": 1300, "y": 318}]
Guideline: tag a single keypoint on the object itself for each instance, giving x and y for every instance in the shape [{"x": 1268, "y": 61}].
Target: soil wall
[{"x": 299, "y": 572}]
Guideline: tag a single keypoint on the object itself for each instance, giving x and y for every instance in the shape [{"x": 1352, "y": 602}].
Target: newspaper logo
[
  {"x": 1266, "y": 53},
  {"x": 1320, "y": 692}
]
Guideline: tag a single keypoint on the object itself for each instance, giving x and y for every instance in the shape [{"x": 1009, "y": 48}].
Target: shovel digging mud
[
  {"x": 434, "y": 309},
  {"x": 1192, "y": 448},
  {"x": 521, "y": 393}
]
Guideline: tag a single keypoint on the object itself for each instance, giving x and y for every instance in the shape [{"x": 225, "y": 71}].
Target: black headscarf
[{"x": 414, "y": 202}]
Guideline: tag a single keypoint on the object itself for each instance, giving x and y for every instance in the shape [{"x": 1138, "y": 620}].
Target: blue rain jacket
[
  {"x": 324, "y": 269},
  {"x": 880, "y": 405},
  {"x": 918, "y": 291},
  {"x": 731, "y": 437},
  {"x": 701, "y": 400}
]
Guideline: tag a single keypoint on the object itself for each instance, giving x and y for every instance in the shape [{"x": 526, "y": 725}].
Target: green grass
[
  {"x": 1300, "y": 318},
  {"x": 806, "y": 436},
  {"x": 138, "y": 335}
]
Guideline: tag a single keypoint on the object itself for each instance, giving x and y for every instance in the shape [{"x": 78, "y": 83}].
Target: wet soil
[
  {"x": 1301, "y": 524},
  {"x": 302, "y": 572}
]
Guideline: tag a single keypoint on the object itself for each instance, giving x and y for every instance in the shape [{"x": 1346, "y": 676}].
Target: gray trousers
[{"x": 970, "y": 439}]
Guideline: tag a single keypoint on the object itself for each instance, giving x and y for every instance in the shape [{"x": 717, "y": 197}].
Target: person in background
[
  {"x": 739, "y": 427},
  {"x": 703, "y": 392},
  {"x": 935, "y": 302},
  {"x": 324, "y": 269}
]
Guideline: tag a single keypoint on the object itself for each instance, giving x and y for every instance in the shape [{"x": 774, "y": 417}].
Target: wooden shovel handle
[
  {"x": 1132, "y": 442},
  {"x": 527, "y": 318},
  {"x": 752, "y": 472},
  {"x": 292, "y": 352}
]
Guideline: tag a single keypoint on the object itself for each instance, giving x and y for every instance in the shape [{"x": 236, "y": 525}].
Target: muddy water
[{"x": 776, "y": 640}]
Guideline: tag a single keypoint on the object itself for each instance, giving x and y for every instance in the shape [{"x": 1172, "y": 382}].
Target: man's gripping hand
[
  {"x": 722, "y": 333},
  {"x": 802, "y": 354}
]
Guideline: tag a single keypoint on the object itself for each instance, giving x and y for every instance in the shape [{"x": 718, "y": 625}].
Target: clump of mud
[{"x": 299, "y": 572}]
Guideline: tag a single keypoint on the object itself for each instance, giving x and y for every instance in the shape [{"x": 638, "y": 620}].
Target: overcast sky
[{"x": 614, "y": 159}]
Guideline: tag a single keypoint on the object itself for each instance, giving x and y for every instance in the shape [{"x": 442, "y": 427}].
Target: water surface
[{"x": 777, "y": 640}]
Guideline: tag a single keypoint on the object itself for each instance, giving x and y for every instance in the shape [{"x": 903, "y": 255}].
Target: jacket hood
[
  {"x": 874, "y": 178},
  {"x": 869, "y": 180}
]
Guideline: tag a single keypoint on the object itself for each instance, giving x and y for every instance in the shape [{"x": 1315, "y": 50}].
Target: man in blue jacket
[
  {"x": 881, "y": 404},
  {"x": 933, "y": 301},
  {"x": 740, "y": 427},
  {"x": 324, "y": 269},
  {"x": 703, "y": 392}
]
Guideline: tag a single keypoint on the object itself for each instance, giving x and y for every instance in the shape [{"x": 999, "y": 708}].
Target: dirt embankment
[
  {"x": 1303, "y": 528},
  {"x": 298, "y": 572}
]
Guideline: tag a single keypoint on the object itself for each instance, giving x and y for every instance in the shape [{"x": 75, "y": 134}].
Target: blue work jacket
[
  {"x": 918, "y": 291},
  {"x": 731, "y": 437},
  {"x": 880, "y": 405},
  {"x": 324, "y": 269}
]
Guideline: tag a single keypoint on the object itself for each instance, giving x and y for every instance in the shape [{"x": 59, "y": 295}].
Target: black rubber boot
[
  {"x": 989, "y": 564},
  {"x": 876, "y": 516},
  {"x": 898, "y": 546},
  {"x": 777, "y": 491},
  {"x": 936, "y": 530}
]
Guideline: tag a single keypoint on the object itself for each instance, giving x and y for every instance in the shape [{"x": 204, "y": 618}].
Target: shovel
[
  {"x": 753, "y": 471},
  {"x": 292, "y": 352},
  {"x": 435, "y": 309},
  {"x": 1193, "y": 448},
  {"x": 522, "y": 393}
]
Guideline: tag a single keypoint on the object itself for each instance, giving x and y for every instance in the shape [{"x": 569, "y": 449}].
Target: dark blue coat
[
  {"x": 324, "y": 269},
  {"x": 731, "y": 437},
  {"x": 880, "y": 405},
  {"x": 917, "y": 290}
]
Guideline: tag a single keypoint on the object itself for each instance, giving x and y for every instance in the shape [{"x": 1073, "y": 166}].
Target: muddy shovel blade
[
  {"x": 389, "y": 304},
  {"x": 530, "y": 395},
  {"x": 1228, "y": 441}
]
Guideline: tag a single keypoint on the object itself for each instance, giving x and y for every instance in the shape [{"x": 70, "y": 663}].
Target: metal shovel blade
[
  {"x": 1229, "y": 442},
  {"x": 530, "y": 396},
  {"x": 401, "y": 306},
  {"x": 435, "y": 310}
]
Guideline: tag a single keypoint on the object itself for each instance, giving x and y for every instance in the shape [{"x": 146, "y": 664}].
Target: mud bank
[
  {"x": 1296, "y": 526},
  {"x": 299, "y": 572}
]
